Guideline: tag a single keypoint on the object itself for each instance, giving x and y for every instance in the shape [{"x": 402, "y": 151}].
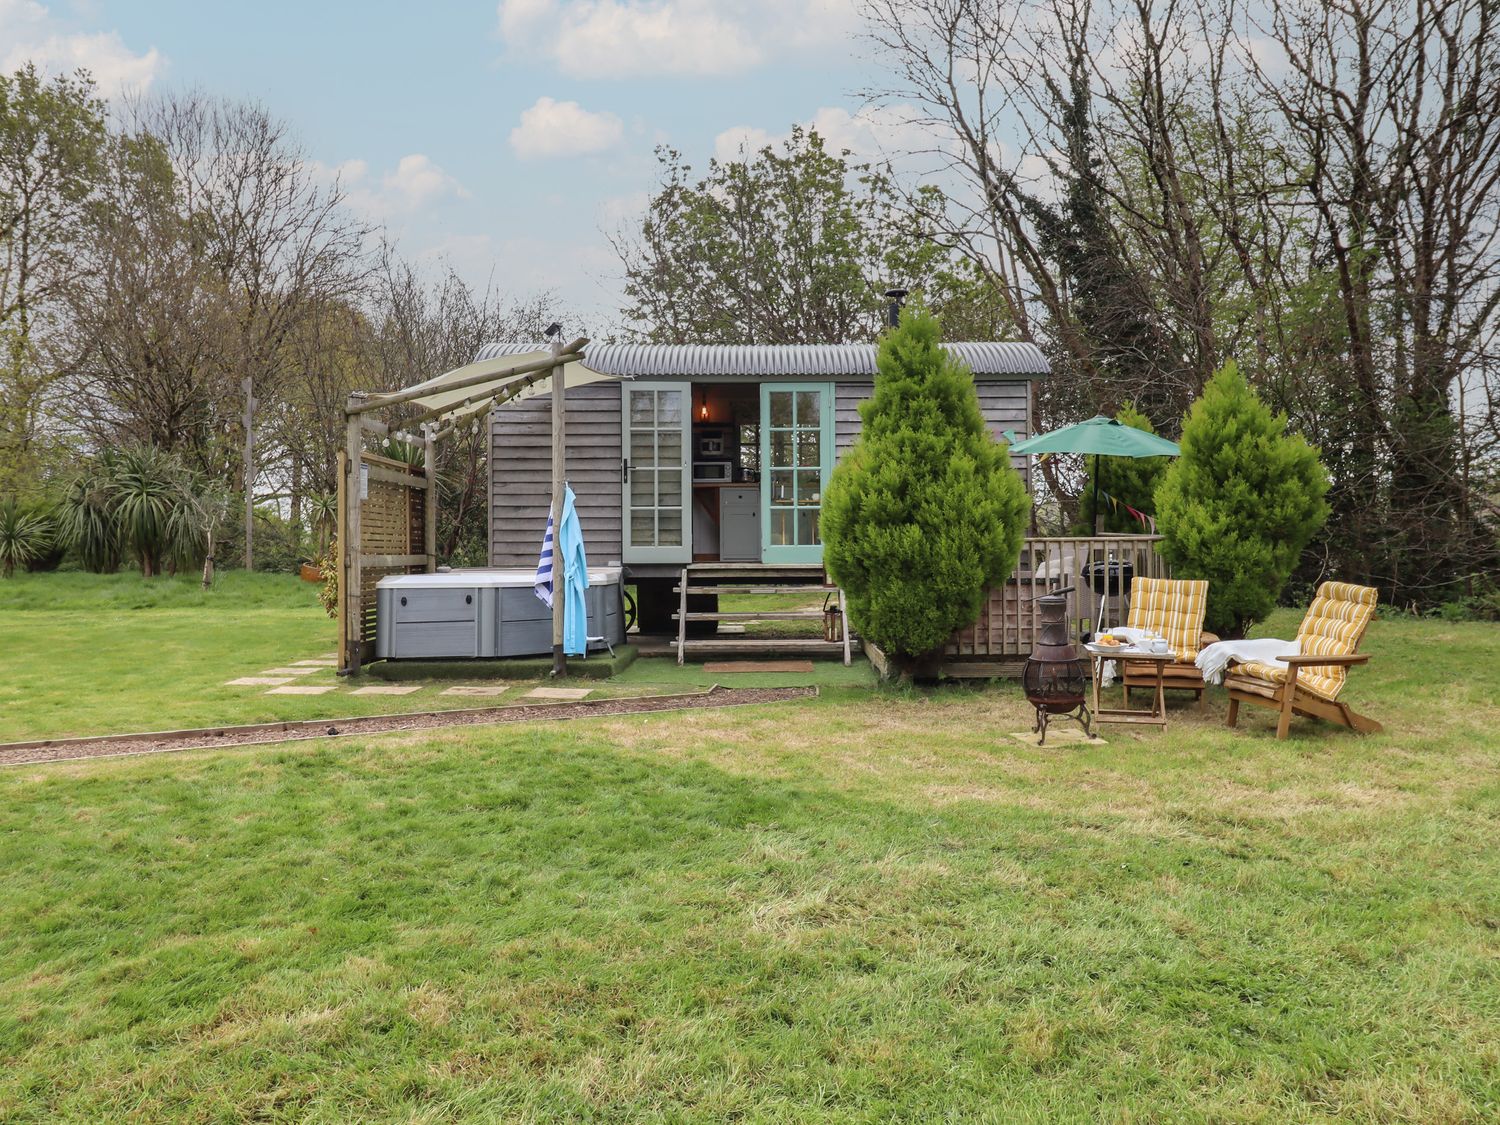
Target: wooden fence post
[
  {"x": 559, "y": 485},
  {"x": 341, "y": 538},
  {"x": 430, "y": 505},
  {"x": 352, "y": 545}
]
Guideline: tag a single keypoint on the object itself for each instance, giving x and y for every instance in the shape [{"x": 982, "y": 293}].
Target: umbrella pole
[
  {"x": 1104, "y": 597},
  {"x": 1096, "y": 494}
]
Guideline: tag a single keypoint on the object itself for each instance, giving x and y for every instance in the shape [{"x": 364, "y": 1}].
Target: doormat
[{"x": 758, "y": 666}]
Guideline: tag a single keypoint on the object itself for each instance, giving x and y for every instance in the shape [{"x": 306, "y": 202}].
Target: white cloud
[
  {"x": 633, "y": 38},
  {"x": 30, "y": 33},
  {"x": 618, "y": 210},
  {"x": 418, "y": 181},
  {"x": 522, "y": 19},
  {"x": 740, "y": 141},
  {"x": 552, "y": 128},
  {"x": 415, "y": 183},
  {"x": 871, "y": 133}
]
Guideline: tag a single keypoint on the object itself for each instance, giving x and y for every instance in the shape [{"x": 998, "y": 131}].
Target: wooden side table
[{"x": 1156, "y": 715}]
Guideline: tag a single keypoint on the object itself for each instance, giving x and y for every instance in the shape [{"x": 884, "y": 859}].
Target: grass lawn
[
  {"x": 100, "y": 654},
  {"x": 873, "y": 906}
]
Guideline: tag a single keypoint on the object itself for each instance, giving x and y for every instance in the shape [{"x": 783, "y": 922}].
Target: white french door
[{"x": 656, "y": 473}]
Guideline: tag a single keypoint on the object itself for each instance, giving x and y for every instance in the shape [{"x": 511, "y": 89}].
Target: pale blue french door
[{"x": 796, "y": 459}]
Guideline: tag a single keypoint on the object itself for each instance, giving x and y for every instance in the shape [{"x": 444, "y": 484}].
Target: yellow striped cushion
[
  {"x": 1334, "y": 624},
  {"x": 1173, "y": 608}
]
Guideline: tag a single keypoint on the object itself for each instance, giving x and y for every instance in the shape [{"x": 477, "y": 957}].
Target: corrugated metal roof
[{"x": 772, "y": 360}]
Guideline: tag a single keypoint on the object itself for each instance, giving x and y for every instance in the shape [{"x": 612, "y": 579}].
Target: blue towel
[{"x": 575, "y": 566}]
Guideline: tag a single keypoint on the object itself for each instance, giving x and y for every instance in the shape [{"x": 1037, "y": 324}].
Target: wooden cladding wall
[
  {"x": 1005, "y": 405},
  {"x": 521, "y": 460},
  {"x": 521, "y": 474},
  {"x": 1010, "y": 622}
]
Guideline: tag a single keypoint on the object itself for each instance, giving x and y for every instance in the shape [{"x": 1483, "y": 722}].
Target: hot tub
[{"x": 483, "y": 613}]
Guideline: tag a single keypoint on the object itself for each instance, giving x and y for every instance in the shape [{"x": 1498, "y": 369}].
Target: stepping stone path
[
  {"x": 387, "y": 689},
  {"x": 289, "y": 671},
  {"x": 560, "y": 693},
  {"x": 476, "y": 689},
  {"x": 300, "y": 689},
  {"x": 258, "y": 681},
  {"x": 319, "y": 663}
]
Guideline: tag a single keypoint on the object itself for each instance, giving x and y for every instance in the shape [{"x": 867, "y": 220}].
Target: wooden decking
[
  {"x": 1001, "y": 640},
  {"x": 995, "y": 645}
]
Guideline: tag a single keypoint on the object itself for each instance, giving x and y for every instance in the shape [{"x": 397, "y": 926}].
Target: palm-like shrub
[
  {"x": 404, "y": 449},
  {"x": 143, "y": 503},
  {"x": 25, "y": 536},
  {"x": 147, "y": 504},
  {"x": 926, "y": 510},
  {"x": 323, "y": 514},
  {"x": 87, "y": 520}
]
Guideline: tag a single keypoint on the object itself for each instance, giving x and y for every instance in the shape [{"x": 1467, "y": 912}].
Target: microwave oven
[{"x": 713, "y": 472}]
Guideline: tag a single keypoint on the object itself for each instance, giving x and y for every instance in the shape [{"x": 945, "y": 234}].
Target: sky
[{"x": 507, "y": 138}]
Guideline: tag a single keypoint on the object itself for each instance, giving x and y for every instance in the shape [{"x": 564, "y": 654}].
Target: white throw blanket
[{"x": 1213, "y": 659}]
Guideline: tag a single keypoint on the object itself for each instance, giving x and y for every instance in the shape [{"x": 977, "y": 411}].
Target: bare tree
[
  {"x": 149, "y": 327},
  {"x": 277, "y": 238},
  {"x": 1015, "y": 96},
  {"x": 1311, "y": 188},
  {"x": 423, "y": 328},
  {"x": 1393, "y": 110},
  {"x": 52, "y": 152}
]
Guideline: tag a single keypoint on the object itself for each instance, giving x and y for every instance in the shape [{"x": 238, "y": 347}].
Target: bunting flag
[{"x": 1140, "y": 517}]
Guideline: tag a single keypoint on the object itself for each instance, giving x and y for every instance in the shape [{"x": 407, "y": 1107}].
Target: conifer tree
[
  {"x": 1241, "y": 503},
  {"x": 925, "y": 510},
  {"x": 1130, "y": 480}
]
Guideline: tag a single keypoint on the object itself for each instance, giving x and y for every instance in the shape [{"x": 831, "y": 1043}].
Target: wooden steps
[
  {"x": 731, "y": 578},
  {"x": 769, "y": 615},
  {"x": 759, "y": 644}
]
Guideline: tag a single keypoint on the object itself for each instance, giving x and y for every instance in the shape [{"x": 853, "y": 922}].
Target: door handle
[{"x": 624, "y": 470}]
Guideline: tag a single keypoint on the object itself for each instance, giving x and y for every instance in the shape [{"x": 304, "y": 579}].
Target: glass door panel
[
  {"x": 655, "y": 472},
  {"x": 796, "y": 460}
]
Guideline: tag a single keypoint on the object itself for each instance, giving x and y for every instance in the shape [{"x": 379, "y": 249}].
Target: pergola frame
[{"x": 398, "y": 490}]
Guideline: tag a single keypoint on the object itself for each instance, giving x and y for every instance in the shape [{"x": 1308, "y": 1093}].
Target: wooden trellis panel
[{"x": 391, "y": 528}]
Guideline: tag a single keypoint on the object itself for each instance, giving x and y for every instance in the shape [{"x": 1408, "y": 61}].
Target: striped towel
[{"x": 543, "y": 583}]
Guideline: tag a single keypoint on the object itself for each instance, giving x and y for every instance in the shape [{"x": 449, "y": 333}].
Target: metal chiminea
[{"x": 1054, "y": 678}]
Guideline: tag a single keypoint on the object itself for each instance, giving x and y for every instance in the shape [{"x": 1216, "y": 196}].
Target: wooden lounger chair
[
  {"x": 1172, "y": 608},
  {"x": 1310, "y": 683}
]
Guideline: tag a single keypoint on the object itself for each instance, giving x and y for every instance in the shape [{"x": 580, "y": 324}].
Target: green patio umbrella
[{"x": 1103, "y": 437}]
